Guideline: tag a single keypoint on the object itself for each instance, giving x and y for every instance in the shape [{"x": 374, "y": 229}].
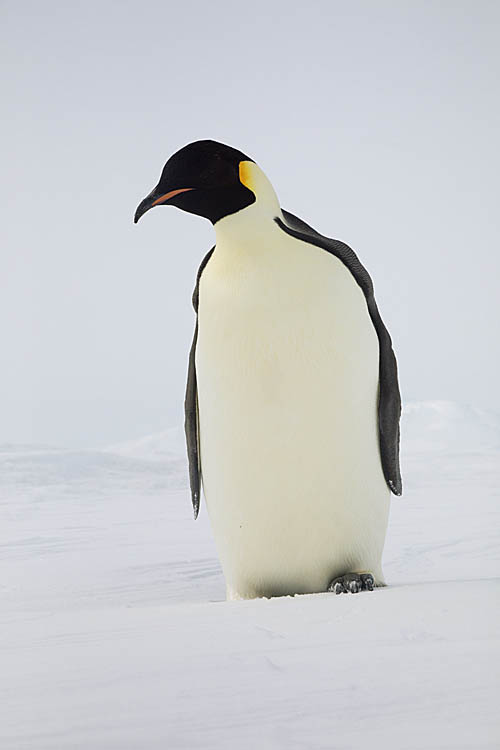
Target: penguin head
[{"x": 203, "y": 178}]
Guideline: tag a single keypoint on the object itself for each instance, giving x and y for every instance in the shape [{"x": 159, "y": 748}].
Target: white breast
[{"x": 287, "y": 366}]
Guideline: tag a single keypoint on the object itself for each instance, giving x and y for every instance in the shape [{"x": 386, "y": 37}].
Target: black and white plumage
[{"x": 292, "y": 401}]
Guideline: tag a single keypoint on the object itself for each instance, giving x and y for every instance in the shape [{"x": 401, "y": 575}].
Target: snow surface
[{"x": 115, "y": 633}]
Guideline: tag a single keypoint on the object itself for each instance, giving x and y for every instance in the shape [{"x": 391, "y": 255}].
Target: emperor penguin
[{"x": 292, "y": 402}]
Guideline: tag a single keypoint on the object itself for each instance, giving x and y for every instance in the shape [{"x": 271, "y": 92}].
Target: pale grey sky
[{"x": 376, "y": 122}]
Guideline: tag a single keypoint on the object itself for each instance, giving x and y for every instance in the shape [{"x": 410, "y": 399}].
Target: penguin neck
[{"x": 255, "y": 220}]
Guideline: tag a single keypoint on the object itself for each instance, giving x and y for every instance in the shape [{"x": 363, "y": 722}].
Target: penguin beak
[{"x": 156, "y": 198}]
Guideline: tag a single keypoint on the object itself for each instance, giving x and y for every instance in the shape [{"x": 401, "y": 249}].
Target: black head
[{"x": 202, "y": 178}]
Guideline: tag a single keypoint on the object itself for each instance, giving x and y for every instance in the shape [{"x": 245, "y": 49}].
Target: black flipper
[
  {"x": 191, "y": 405},
  {"x": 389, "y": 405}
]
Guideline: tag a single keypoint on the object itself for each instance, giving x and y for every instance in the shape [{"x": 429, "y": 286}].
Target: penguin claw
[
  {"x": 367, "y": 581},
  {"x": 352, "y": 583}
]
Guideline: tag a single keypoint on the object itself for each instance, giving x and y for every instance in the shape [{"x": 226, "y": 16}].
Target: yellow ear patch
[{"x": 246, "y": 177}]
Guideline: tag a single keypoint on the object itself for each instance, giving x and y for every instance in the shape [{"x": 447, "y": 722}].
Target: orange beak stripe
[{"x": 167, "y": 196}]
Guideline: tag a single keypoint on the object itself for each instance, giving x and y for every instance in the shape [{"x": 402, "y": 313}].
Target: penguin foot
[{"x": 352, "y": 583}]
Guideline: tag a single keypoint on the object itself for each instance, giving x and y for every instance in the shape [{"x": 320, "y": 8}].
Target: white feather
[{"x": 287, "y": 366}]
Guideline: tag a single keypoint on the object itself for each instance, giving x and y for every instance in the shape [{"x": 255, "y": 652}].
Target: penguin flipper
[
  {"x": 191, "y": 423},
  {"x": 389, "y": 405}
]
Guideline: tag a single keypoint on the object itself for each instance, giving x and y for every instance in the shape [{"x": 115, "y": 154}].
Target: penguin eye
[{"x": 218, "y": 173}]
